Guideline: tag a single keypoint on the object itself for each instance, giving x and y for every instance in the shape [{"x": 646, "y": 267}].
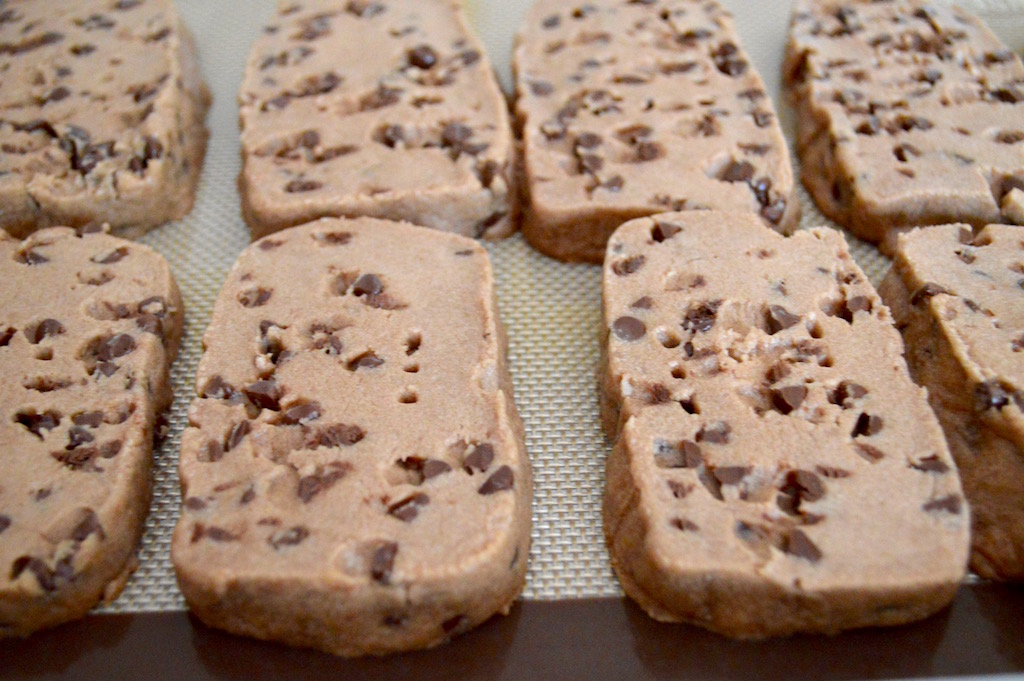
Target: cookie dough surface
[
  {"x": 959, "y": 299},
  {"x": 909, "y": 113},
  {"x": 775, "y": 469},
  {"x": 384, "y": 108},
  {"x": 354, "y": 475},
  {"x": 88, "y": 327},
  {"x": 635, "y": 108},
  {"x": 101, "y": 114}
]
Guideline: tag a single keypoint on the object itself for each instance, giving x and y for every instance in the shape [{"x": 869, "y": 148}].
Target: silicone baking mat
[{"x": 551, "y": 309}]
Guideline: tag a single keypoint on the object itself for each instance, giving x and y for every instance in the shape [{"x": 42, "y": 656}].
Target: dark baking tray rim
[{"x": 591, "y": 639}]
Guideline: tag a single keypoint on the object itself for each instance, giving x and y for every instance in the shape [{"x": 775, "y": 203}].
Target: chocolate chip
[
  {"x": 30, "y": 256},
  {"x": 434, "y": 467},
  {"x": 800, "y": 545},
  {"x": 992, "y": 395},
  {"x": 867, "y": 425},
  {"x": 391, "y": 135},
  {"x": 383, "y": 562},
  {"x": 788, "y": 399},
  {"x": 290, "y": 537},
  {"x": 684, "y": 525},
  {"x": 36, "y": 423},
  {"x": 846, "y": 390},
  {"x": 364, "y": 9},
  {"x": 299, "y": 186},
  {"x": 32, "y": 43},
  {"x": 380, "y": 98},
  {"x": 868, "y": 452},
  {"x": 335, "y": 435},
  {"x": 629, "y": 329},
  {"x": 731, "y": 475},
  {"x": 931, "y": 464},
  {"x": 629, "y": 265},
  {"x": 44, "y": 329},
  {"x": 195, "y": 504},
  {"x": 949, "y": 504},
  {"x": 1007, "y": 137},
  {"x": 501, "y": 480},
  {"x": 551, "y": 21},
  {"x": 5, "y": 522},
  {"x": 800, "y": 486},
  {"x": 236, "y": 435},
  {"x": 116, "y": 346},
  {"x": 301, "y": 414},
  {"x": 55, "y": 95},
  {"x": 264, "y": 394},
  {"x": 150, "y": 324},
  {"x": 664, "y": 230},
  {"x": 90, "y": 419},
  {"x": 367, "y": 284},
  {"x": 407, "y": 509},
  {"x": 312, "y": 485},
  {"x": 480, "y": 459},
  {"x": 254, "y": 297},
  {"x": 728, "y": 61},
  {"x": 779, "y": 318},
  {"x": 685, "y": 454},
  {"x": 717, "y": 433},
  {"x": 541, "y": 88},
  {"x": 78, "y": 436},
  {"x": 422, "y": 57},
  {"x": 213, "y": 533},
  {"x": 737, "y": 171},
  {"x": 701, "y": 318},
  {"x": 366, "y": 360},
  {"x": 211, "y": 452}
]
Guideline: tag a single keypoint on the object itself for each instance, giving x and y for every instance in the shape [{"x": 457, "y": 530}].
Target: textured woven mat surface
[{"x": 552, "y": 310}]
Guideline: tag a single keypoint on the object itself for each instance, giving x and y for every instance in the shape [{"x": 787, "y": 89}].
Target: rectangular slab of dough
[
  {"x": 959, "y": 300},
  {"x": 354, "y": 475},
  {"x": 101, "y": 114},
  {"x": 635, "y": 108},
  {"x": 383, "y": 108},
  {"x": 909, "y": 113},
  {"x": 775, "y": 470},
  {"x": 88, "y": 328}
]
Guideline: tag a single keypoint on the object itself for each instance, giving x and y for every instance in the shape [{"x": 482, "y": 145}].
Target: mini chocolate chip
[
  {"x": 868, "y": 452},
  {"x": 780, "y": 318},
  {"x": 480, "y": 459},
  {"x": 301, "y": 414},
  {"x": 643, "y": 303},
  {"x": 195, "y": 504},
  {"x": 299, "y": 186},
  {"x": 727, "y": 59},
  {"x": 846, "y": 390},
  {"x": 928, "y": 290},
  {"x": 236, "y": 435},
  {"x": 116, "y": 346},
  {"x": 715, "y": 433},
  {"x": 335, "y": 435},
  {"x": 30, "y": 257},
  {"x": 629, "y": 265},
  {"x": 684, "y": 525},
  {"x": 44, "y": 329},
  {"x": 992, "y": 395},
  {"x": 731, "y": 475},
  {"x": 150, "y": 323},
  {"x": 950, "y": 504},
  {"x": 685, "y": 454},
  {"x": 290, "y": 537},
  {"x": 789, "y": 398},
  {"x": 737, "y": 171},
  {"x": 800, "y": 545},
  {"x": 629, "y": 328},
  {"x": 541, "y": 88},
  {"x": 211, "y": 452},
  {"x": 90, "y": 419},
  {"x": 664, "y": 230},
  {"x": 383, "y": 562},
  {"x": 366, "y": 360},
  {"x": 422, "y": 57},
  {"x": 364, "y": 9},
  {"x": 434, "y": 467},
  {"x": 367, "y": 284},
  {"x": 931, "y": 464},
  {"x": 391, "y": 135},
  {"x": 701, "y": 318},
  {"x": 254, "y": 297},
  {"x": 36, "y": 423},
  {"x": 501, "y": 480},
  {"x": 264, "y": 394},
  {"x": 407, "y": 509},
  {"x": 78, "y": 436},
  {"x": 5, "y": 522},
  {"x": 247, "y": 496},
  {"x": 551, "y": 21},
  {"x": 867, "y": 425}
]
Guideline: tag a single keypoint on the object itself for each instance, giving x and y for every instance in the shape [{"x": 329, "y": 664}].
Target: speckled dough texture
[
  {"x": 382, "y": 108},
  {"x": 88, "y": 328},
  {"x": 775, "y": 469},
  {"x": 101, "y": 114},
  {"x": 354, "y": 474},
  {"x": 959, "y": 300},
  {"x": 909, "y": 113},
  {"x": 635, "y": 108}
]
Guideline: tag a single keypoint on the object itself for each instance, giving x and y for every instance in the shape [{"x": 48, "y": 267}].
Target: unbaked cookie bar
[
  {"x": 634, "y": 108},
  {"x": 775, "y": 470},
  {"x": 101, "y": 114},
  {"x": 89, "y": 325},
  {"x": 383, "y": 108},
  {"x": 959, "y": 300},
  {"x": 909, "y": 113},
  {"x": 354, "y": 475}
]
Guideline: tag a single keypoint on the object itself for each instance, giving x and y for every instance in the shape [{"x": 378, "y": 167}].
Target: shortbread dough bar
[{"x": 775, "y": 470}]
